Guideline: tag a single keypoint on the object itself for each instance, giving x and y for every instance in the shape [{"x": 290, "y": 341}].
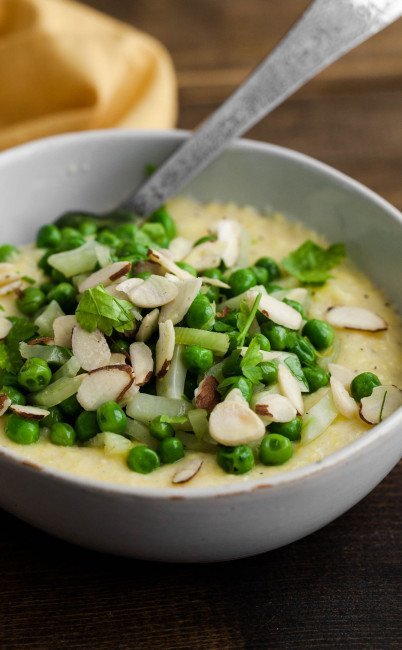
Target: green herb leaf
[
  {"x": 22, "y": 330},
  {"x": 5, "y": 363},
  {"x": 98, "y": 309},
  {"x": 177, "y": 419},
  {"x": 245, "y": 318},
  {"x": 310, "y": 263},
  {"x": 294, "y": 365},
  {"x": 222, "y": 327},
  {"x": 250, "y": 361}
]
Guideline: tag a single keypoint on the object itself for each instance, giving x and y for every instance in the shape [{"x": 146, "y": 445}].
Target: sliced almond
[
  {"x": 9, "y": 276},
  {"x": 117, "y": 359},
  {"x": 355, "y": 318},
  {"x": 214, "y": 282},
  {"x": 104, "y": 384},
  {"x": 206, "y": 256},
  {"x": 290, "y": 388},
  {"x": 112, "y": 289},
  {"x": 9, "y": 288},
  {"x": 145, "y": 266},
  {"x": 5, "y": 403},
  {"x": 142, "y": 362},
  {"x": 299, "y": 294},
  {"x": 29, "y": 412},
  {"x": 382, "y": 402},
  {"x": 235, "y": 395},
  {"x": 229, "y": 232},
  {"x": 273, "y": 407},
  {"x": 90, "y": 348},
  {"x": 125, "y": 287},
  {"x": 179, "y": 248},
  {"x": 164, "y": 260},
  {"x": 178, "y": 308},
  {"x": 344, "y": 403},
  {"x": 164, "y": 348},
  {"x": 276, "y": 310},
  {"x": 153, "y": 292},
  {"x": 105, "y": 276},
  {"x": 63, "y": 330},
  {"x": 342, "y": 374},
  {"x": 129, "y": 394},
  {"x": 41, "y": 340},
  {"x": 148, "y": 326},
  {"x": 187, "y": 470},
  {"x": 206, "y": 394},
  {"x": 232, "y": 423},
  {"x": 5, "y": 327}
]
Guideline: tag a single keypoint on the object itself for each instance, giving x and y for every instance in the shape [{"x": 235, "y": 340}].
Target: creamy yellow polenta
[{"x": 360, "y": 351}]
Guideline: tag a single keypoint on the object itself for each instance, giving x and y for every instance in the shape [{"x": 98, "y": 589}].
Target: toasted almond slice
[
  {"x": 344, "y": 403},
  {"x": 382, "y": 402},
  {"x": 5, "y": 403},
  {"x": 142, "y": 362},
  {"x": 90, "y": 348},
  {"x": 129, "y": 394},
  {"x": 104, "y": 384},
  {"x": 206, "y": 394},
  {"x": 125, "y": 287},
  {"x": 214, "y": 282},
  {"x": 153, "y": 292},
  {"x": 229, "y": 232},
  {"x": 164, "y": 348},
  {"x": 355, "y": 318},
  {"x": 148, "y": 326},
  {"x": 187, "y": 470},
  {"x": 235, "y": 395},
  {"x": 179, "y": 247},
  {"x": 29, "y": 412},
  {"x": 232, "y": 423},
  {"x": 105, "y": 276},
  {"x": 206, "y": 256},
  {"x": 342, "y": 374},
  {"x": 164, "y": 260},
  {"x": 63, "y": 330},
  {"x": 112, "y": 289},
  {"x": 290, "y": 388},
  {"x": 8, "y": 277},
  {"x": 278, "y": 311},
  {"x": 41, "y": 340},
  {"x": 172, "y": 278},
  {"x": 9, "y": 288},
  {"x": 299, "y": 294},
  {"x": 178, "y": 308},
  {"x": 5, "y": 327},
  {"x": 273, "y": 407},
  {"x": 117, "y": 359}
]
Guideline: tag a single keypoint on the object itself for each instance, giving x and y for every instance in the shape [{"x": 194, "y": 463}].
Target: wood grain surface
[{"x": 338, "y": 588}]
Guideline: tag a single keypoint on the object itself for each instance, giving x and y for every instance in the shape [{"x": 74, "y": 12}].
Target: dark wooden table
[{"x": 338, "y": 588}]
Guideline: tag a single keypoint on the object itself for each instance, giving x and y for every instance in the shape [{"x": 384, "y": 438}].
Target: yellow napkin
[{"x": 66, "y": 67}]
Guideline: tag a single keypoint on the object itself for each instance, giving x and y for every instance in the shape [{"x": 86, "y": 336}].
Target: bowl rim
[{"x": 237, "y": 484}]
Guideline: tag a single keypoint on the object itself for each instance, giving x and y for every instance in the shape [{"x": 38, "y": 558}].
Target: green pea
[
  {"x": 229, "y": 319},
  {"x": 291, "y": 429},
  {"x": 86, "y": 426},
  {"x": 262, "y": 340},
  {"x": 14, "y": 394},
  {"x": 204, "y": 240},
  {"x": 170, "y": 450},
  {"x": 316, "y": 377},
  {"x": 235, "y": 460},
  {"x": 143, "y": 275},
  {"x": 296, "y": 305},
  {"x": 62, "y": 434},
  {"x": 156, "y": 233},
  {"x": 277, "y": 335},
  {"x": 275, "y": 449},
  {"x": 160, "y": 430},
  {"x": 162, "y": 216},
  {"x": 8, "y": 379},
  {"x": 69, "y": 231},
  {"x": 242, "y": 280},
  {"x": 142, "y": 460},
  {"x": 8, "y": 252},
  {"x": 46, "y": 287},
  {"x": 34, "y": 375},
  {"x": 271, "y": 266},
  {"x": 272, "y": 288},
  {"x": 201, "y": 314},
  {"x": 212, "y": 293},
  {"x": 66, "y": 295},
  {"x": 69, "y": 243},
  {"x": 108, "y": 238},
  {"x": 23, "y": 432},
  {"x": 363, "y": 385},
  {"x": 302, "y": 347},
  {"x": 215, "y": 274},
  {"x": 111, "y": 417},
  {"x": 269, "y": 372},
  {"x": 31, "y": 301},
  {"x": 88, "y": 227},
  {"x": 231, "y": 365},
  {"x": 49, "y": 236},
  {"x": 121, "y": 345},
  {"x": 70, "y": 407},
  {"x": 43, "y": 263},
  {"x": 55, "y": 415},
  {"x": 190, "y": 384},
  {"x": 261, "y": 274},
  {"x": 319, "y": 332},
  {"x": 127, "y": 232},
  {"x": 57, "y": 276},
  {"x": 197, "y": 359},
  {"x": 242, "y": 383},
  {"x": 187, "y": 267}
]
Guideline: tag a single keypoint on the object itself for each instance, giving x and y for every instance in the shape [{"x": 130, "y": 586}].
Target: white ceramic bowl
[{"x": 95, "y": 171}]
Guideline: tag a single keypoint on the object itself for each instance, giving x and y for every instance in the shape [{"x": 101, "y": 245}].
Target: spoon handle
[{"x": 327, "y": 30}]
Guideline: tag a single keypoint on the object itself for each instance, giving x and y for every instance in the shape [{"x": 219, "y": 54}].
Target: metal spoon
[{"x": 327, "y": 30}]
